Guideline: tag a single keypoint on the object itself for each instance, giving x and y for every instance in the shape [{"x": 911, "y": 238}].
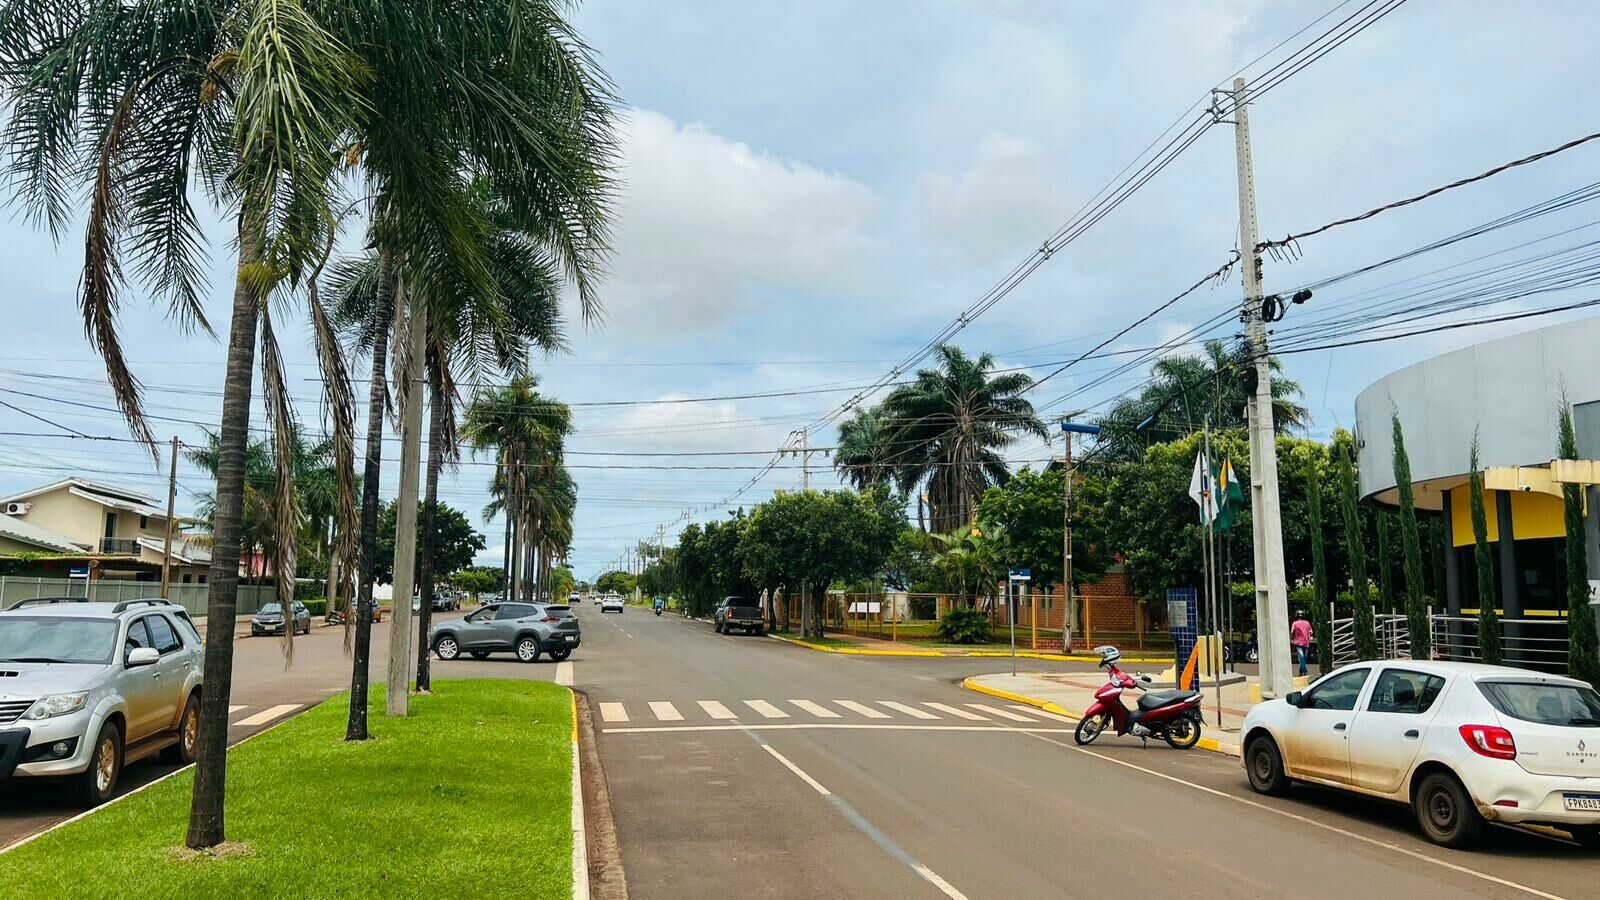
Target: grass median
[{"x": 471, "y": 794}]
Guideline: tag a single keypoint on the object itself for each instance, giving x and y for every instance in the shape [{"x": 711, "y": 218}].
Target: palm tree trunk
[
  {"x": 206, "y": 811},
  {"x": 397, "y": 701},
  {"x": 514, "y": 523},
  {"x": 430, "y": 505},
  {"x": 383, "y": 310},
  {"x": 505, "y": 564}
]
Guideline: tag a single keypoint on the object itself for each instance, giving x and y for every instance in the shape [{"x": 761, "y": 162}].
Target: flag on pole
[
  {"x": 1202, "y": 487},
  {"x": 1229, "y": 496}
]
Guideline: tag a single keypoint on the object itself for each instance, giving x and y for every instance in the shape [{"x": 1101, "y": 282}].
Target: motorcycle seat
[{"x": 1158, "y": 699}]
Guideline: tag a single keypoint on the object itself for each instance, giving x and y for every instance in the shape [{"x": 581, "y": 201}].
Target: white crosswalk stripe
[
  {"x": 234, "y": 709},
  {"x": 665, "y": 711},
  {"x": 956, "y": 711},
  {"x": 816, "y": 709},
  {"x": 908, "y": 709},
  {"x": 862, "y": 708},
  {"x": 1048, "y": 715},
  {"x": 766, "y": 709},
  {"x": 613, "y": 712},
  {"x": 268, "y": 714},
  {"x": 1002, "y": 713},
  {"x": 716, "y": 710}
]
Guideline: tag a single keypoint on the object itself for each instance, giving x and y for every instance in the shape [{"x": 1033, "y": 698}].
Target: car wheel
[
  {"x": 445, "y": 647},
  {"x": 183, "y": 752},
  {"x": 479, "y": 654},
  {"x": 1090, "y": 727},
  {"x": 717, "y": 628},
  {"x": 1264, "y": 766},
  {"x": 528, "y": 649},
  {"x": 95, "y": 785},
  {"x": 1587, "y": 836},
  {"x": 561, "y": 655},
  {"x": 1445, "y": 812}
]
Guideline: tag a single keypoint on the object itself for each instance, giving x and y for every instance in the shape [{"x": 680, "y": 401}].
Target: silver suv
[
  {"x": 88, "y": 687},
  {"x": 526, "y": 629}
]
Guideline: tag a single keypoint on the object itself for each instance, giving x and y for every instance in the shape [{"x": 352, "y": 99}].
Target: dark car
[
  {"x": 526, "y": 629},
  {"x": 269, "y": 619},
  {"x": 739, "y": 612}
]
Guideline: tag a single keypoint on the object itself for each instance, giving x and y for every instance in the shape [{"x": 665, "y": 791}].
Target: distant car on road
[
  {"x": 526, "y": 629},
  {"x": 611, "y": 603},
  {"x": 269, "y": 619},
  {"x": 91, "y": 687},
  {"x": 739, "y": 612},
  {"x": 1461, "y": 743},
  {"x": 574, "y": 599}
]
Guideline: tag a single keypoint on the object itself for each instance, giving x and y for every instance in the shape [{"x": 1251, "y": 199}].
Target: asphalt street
[{"x": 741, "y": 766}]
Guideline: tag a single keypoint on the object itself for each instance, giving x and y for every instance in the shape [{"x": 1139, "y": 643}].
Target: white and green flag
[
  {"x": 1216, "y": 491},
  {"x": 1203, "y": 487}
]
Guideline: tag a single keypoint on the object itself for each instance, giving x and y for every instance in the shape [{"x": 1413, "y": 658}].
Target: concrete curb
[
  {"x": 965, "y": 654},
  {"x": 580, "y": 847},
  {"x": 1212, "y": 744}
]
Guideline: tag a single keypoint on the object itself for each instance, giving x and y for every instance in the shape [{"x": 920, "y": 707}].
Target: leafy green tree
[
  {"x": 615, "y": 582},
  {"x": 1419, "y": 628},
  {"x": 561, "y": 583},
  {"x": 1030, "y": 508},
  {"x": 908, "y": 566},
  {"x": 818, "y": 538},
  {"x": 1321, "y": 621},
  {"x": 1489, "y": 649},
  {"x": 478, "y": 580},
  {"x": 456, "y": 543},
  {"x": 1360, "y": 588},
  {"x": 1583, "y": 649}
]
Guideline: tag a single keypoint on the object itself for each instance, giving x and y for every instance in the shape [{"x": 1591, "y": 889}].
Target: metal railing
[
  {"x": 119, "y": 546},
  {"x": 1394, "y": 640},
  {"x": 1527, "y": 643}
]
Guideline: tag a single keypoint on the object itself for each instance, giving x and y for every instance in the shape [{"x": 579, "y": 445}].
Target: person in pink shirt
[{"x": 1300, "y": 637}]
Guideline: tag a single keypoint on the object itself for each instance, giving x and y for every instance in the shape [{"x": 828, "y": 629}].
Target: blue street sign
[
  {"x": 1078, "y": 428},
  {"x": 1022, "y": 574},
  {"x": 78, "y": 573}
]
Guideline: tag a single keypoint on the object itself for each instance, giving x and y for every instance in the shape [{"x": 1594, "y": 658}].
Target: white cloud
[
  {"x": 707, "y": 224},
  {"x": 1006, "y": 198}
]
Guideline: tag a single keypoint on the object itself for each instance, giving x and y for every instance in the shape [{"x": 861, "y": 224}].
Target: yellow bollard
[{"x": 1255, "y": 693}]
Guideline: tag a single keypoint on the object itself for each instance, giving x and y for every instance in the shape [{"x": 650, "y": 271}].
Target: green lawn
[{"x": 471, "y": 795}]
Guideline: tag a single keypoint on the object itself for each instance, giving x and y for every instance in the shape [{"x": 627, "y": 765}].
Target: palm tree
[
  {"x": 949, "y": 426},
  {"x": 865, "y": 453},
  {"x": 1185, "y": 390},
  {"x": 970, "y": 558}
]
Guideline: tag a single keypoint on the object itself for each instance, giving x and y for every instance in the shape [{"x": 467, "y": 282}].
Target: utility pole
[
  {"x": 1272, "y": 611},
  {"x": 804, "y": 435},
  {"x": 1068, "y": 429},
  {"x": 172, "y": 502}
]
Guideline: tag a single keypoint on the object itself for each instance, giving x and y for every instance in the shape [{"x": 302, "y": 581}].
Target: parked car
[
  {"x": 611, "y": 603},
  {"x": 91, "y": 687},
  {"x": 444, "y": 601},
  {"x": 739, "y": 612},
  {"x": 574, "y": 599},
  {"x": 269, "y": 619},
  {"x": 526, "y": 629},
  {"x": 47, "y": 601},
  {"x": 1461, "y": 743}
]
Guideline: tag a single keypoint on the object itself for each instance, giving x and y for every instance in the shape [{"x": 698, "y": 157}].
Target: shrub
[
  {"x": 964, "y": 626},
  {"x": 924, "y": 607},
  {"x": 317, "y": 605}
]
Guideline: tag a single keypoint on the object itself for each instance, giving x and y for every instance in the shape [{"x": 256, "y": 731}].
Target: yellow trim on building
[{"x": 1534, "y": 515}]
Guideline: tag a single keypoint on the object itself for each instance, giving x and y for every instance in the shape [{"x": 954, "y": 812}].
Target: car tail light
[
  {"x": 1489, "y": 740},
  {"x": 550, "y": 620}
]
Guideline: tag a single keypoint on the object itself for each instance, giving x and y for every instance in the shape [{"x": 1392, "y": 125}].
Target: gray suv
[
  {"x": 86, "y": 688},
  {"x": 526, "y": 629}
]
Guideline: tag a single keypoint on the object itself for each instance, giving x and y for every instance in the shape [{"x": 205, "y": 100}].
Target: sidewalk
[
  {"x": 868, "y": 646},
  {"x": 1070, "y": 694}
]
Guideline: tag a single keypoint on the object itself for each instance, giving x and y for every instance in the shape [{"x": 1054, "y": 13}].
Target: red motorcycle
[{"x": 1173, "y": 716}]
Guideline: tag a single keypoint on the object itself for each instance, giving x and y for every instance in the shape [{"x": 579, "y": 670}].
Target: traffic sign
[
  {"x": 82, "y": 572},
  {"x": 1021, "y": 574}
]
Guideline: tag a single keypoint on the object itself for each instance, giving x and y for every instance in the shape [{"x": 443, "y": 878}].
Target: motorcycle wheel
[
  {"x": 1183, "y": 733},
  {"x": 1090, "y": 727}
]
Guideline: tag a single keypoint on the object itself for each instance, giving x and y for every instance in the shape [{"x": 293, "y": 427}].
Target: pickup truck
[{"x": 739, "y": 612}]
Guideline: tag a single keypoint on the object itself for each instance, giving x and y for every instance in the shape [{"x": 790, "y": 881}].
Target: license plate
[
  {"x": 571, "y": 637},
  {"x": 1583, "y": 801}
]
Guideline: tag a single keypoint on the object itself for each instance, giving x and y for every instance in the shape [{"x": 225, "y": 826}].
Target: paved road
[
  {"x": 743, "y": 767},
  {"x": 264, "y": 692}
]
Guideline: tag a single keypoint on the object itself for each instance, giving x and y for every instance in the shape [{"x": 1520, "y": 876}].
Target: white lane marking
[
  {"x": 956, "y": 711},
  {"x": 716, "y": 710},
  {"x": 766, "y": 709},
  {"x": 665, "y": 711},
  {"x": 234, "y": 709},
  {"x": 1048, "y": 715},
  {"x": 564, "y": 673},
  {"x": 796, "y": 770},
  {"x": 1004, "y": 714},
  {"x": 861, "y": 726},
  {"x": 613, "y": 712},
  {"x": 268, "y": 714},
  {"x": 862, "y": 708},
  {"x": 908, "y": 709},
  {"x": 816, "y": 709},
  {"x": 878, "y": 836},
  {"x": 1494, "y": 879}
]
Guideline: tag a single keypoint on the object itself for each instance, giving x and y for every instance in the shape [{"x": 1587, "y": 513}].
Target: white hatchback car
[
  {"x": 611, "y": 602},
  {"x": 1461, "y": 743}
]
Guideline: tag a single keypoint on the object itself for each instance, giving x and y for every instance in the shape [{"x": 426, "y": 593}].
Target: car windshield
[
  {"x": 1546, "y": 704},
  {"x": 558, "y": 612},
  {"x": 57, "y": 639},
  {"x": 270, "y": 609}
]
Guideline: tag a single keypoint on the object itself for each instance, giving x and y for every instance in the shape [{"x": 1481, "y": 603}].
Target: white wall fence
[{"x": 192, "y": 597}]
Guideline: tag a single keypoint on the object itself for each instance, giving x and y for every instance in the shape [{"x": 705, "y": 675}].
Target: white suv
[
  {"x": 1460, "y": 742},
  {"x": 87, "y": 687}
]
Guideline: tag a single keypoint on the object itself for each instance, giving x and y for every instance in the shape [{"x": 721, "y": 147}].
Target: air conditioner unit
[{"x": 18, "y": 509}]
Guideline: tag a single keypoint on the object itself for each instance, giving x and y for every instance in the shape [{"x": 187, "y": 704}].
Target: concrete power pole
[
  {"x": 1272, "y": 610},
  {"x": 172, "y": 502},
  {"x": 397, "y": 700}
]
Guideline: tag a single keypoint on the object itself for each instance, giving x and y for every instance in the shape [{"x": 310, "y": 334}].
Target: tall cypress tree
[
  {"x": 1583, "y": 649},
  {"x": 1418, "y": 629},
  {"x": 1488, "y": 620},
  {"x": 1436, "y": 553},
  {"x": 1360, "y": 587},
  {"x": 1321, "y": 621},
  {"x": 1385, "y": 564}
]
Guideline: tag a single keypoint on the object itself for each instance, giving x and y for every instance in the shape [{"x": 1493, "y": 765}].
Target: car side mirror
[
  {"x": 142, "y": 656},
  {"x": 1293, "y": 699}
]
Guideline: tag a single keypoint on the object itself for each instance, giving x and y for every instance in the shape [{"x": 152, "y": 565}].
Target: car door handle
[
  {"x": 1339, "y": 727},
  {"x": 1413, "y": 733}
]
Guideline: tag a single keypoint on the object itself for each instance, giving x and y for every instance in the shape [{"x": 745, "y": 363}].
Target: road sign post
[{"x": 1016, "y": 577}]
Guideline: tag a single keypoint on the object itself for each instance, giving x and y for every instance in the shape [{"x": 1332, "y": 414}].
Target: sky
[{"x": 809, "y": 192}]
